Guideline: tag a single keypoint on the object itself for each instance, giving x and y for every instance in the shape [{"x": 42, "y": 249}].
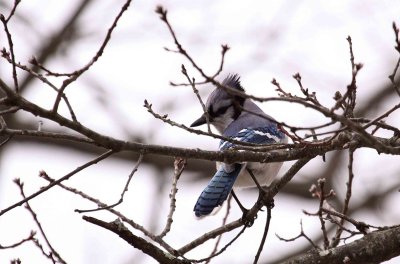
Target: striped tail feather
[{"x": 217, "y": 190}]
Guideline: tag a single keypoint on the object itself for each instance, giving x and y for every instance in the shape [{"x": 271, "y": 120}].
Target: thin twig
[
  {"x": 264, "y": 237},
  {"x": 397, "y": 47},
  {"x": 49, "y": 255},
  {"x": 165, "y": 119},
  {"x": 46, "y": 134},
  {"x": 361, "y": 226},
  {"x": 392, "y": 78},
  {"x": 224, "y": 49},
  {"x": 365, "y": 140},
  {"x": 110, "y": 143},
  {"x": 380, "y": 117},
  {"x": 66, "y": 177},
  {"x": 210, "y": 235},
  {"x": 179, "y": 166},
  {"x": 115, "y": 212},
  {"x": 241, "y": 144},
  {"x": 349, "y": 187},
  {"x": 269, "y": 194},
  {"x": 351, "y": 91},
  {"x": 302, "y": 234},
  {"x": 312, "y": 97},
  {"x": 222, "y": 249},
  {"x": 44, "y": 80},
  {"x": 322, "y": 197},
  {"x": 11, "y": 47},
  {"x": 12, "y": 12},
  {"x": 35, "y": 218},
  {"x": 29, "y": 238},
  {"x": 148, "y": 248},
  {"x": 75, "y": 75},
  {"x": 196, "y": 92},
  {"x": 224, "y": 221},
  {"x": 121, "y": 199},
  {"x": 163, "y": 16}
]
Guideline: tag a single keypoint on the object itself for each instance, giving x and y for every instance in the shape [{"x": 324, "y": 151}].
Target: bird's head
[{"x": 223, "y": 108}]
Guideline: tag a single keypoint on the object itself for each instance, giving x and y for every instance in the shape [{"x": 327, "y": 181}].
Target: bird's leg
[
  {"x": 261, "y": 192},
  {"x": 244, "y": 210},
  {"x": 255, "y": 180},
  {"x": 247, "y": 222}
]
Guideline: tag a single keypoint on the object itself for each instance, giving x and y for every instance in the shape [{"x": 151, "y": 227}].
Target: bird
[{"x": 238, "y": 118}]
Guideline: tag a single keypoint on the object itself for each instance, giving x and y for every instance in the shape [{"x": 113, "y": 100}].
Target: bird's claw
[
  {"x": 247, "y": 220},
  {"x": 264, "y": 202}
]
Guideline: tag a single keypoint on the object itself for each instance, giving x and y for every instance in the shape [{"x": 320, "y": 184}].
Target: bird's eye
[{"x": 222, "y": 110}]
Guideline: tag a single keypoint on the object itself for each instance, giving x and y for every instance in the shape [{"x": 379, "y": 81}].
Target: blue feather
[
  {"x": 217, "y": 190},
  {"x": 222, "y": 182},
  {"x": 260, "y": 135}
]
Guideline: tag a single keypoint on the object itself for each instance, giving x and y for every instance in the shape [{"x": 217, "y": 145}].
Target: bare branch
[
  {"x": 267, "y": 196},
  {"x": 148, "y": 248},
  {"x": 349, "y": 187},
  {"x": 322, "y": 197},
  {"x": 224, "y": 221},
  {"x": 375, "y": 247},
  {"x": 222, "y": 249},
  {"x": 17, "y": 244},
  {"x": 44, "y": 80},
  {"x": 179, "y": 166},
  {"x": 75, "y": 75},
  {"x": 121, "y": 199},
  {"x": 302, "y": 234},
  {"x": 115, "y": 212},
  {"x": 35, "y": 218},
  {"x": 361, "y": 226},
  {"x": 397, "y": 47},
  {"x": 264, "y": 237},
  {"x": 12, "y": 12},
  {"x": 196, "y": 92},
  {"x": 66, "y": 177},
  {"x": 11, "y": 47},
  {"x": 45, "y": 134}
]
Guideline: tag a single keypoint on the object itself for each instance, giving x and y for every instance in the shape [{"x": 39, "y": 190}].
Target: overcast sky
[{"x": 268, "y": 39}]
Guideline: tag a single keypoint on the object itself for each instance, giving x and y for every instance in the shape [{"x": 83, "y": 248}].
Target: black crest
[{"x": 233, "y": 81}]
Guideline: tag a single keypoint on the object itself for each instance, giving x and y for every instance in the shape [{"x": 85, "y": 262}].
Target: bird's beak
[{"x": 201, "y": 121}]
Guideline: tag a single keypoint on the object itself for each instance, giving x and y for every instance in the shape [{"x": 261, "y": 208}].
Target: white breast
[{"x": 264, "y": 173}]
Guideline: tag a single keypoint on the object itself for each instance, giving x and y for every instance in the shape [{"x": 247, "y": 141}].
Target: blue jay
[{"x": 227, "y": 113}]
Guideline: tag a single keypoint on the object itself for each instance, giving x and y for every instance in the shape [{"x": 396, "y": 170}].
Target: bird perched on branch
[{"x": 239, "y": 118}]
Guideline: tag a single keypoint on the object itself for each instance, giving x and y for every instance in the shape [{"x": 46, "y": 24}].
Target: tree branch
[
  {"x": 148, "y": 248},
  {"x": 66, "y": 177},
  {"x": 375, "y": 247}
]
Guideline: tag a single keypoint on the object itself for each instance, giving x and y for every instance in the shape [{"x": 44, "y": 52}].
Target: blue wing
[
  {"x": 222, "y": 182},
  {"x": 260, "y": 135},
  {"x": 217, "y": 189}
]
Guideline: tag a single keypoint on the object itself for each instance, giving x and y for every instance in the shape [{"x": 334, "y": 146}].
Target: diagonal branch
[
  {"x": 121, "y": 199},
  {"x": 374, "y": 247},
  {"x": 76, "y": 74},
  {"x": 35, "y": 218},
  {"x": 51, "y": 185},
  {"x": 17, "y": 244},
  {"x": 179, "y": 166},
  {"x": 148, "y": 248},
  {"x": 252, "y": 213}
]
